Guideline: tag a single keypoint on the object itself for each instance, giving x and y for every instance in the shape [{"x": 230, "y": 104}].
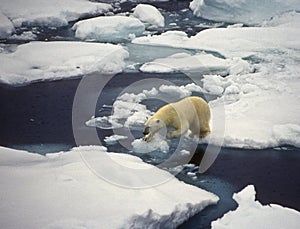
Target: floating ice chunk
[
  {"x": 149, "y": 14},
  {"x": 109, "y": 28},
  {"x": 214, "y": 84},
  {"x": 241, "y": 11},
  {"x": 63, "y": 179},
  {"x": 238, "y": 25},
  {"x": 106, "y": 123},
  {"x": 38, "y": 61},
  {"x": 178, "y": 92},
  {"x": 26, "y": 36},
  {"x": 157, "y": 143},
  {"x": 288, "y": 134},
  {"x": 114, "y": 139},
  {"x": 252, "y": 214},
  {"x": 202, "y": 62},
  {"x": 235, "y": 42},
  {"x": 54, "y": 13},
  {"x": 6, "y": 26}
]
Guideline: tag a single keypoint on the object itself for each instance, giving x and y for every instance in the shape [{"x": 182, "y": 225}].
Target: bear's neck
[{"x": 166, "y": 114}]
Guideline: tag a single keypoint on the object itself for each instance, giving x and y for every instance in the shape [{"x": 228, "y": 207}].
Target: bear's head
[{"x": 152, "y": 126}]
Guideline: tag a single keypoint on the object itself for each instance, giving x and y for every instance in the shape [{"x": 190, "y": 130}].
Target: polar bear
[{"x": 191, "y": 113}]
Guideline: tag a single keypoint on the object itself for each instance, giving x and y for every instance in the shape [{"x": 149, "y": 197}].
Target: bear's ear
[{"x": 157, "y": 121}]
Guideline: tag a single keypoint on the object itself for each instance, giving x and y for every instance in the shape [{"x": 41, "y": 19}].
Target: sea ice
[
  {"x": 241, "y": 11},
  {"x": 60, "y": 190},
  {"x": 114, "y": 138},
  {"x": 252, "y": 214},
  {"x": 149, "y": 14},
  {"x": 109, "y": 28},
  {"x": 258, "y": 101},
  {"x": 38, "y": 61},
  {"x": 54, "y": 13},
  {"x": 202, "y": 62},
  {"x": 157, "y": 143}
]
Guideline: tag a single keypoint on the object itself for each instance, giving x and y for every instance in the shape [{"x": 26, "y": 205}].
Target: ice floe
[
  {"x": 109, "y": 29},
  {"x": 59, "y": 190},
  {"x": 236, "y": 11},
  {"x": 38, "y": 61},
  {"x": 252, "y": 214},
  {"x": 114, "y": 138},
  {"x": 183, "y": 62},
  {"x": 259, "y": 102},
  {"x": 54, "y": 13},
  {"x": 157, "y": 143},
  {"x": 149, "y": 14},
  {"x": 235, "y": 42}
]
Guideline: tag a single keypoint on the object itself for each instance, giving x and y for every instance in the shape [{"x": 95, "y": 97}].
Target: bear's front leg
[{"x": 178, "y": 132}]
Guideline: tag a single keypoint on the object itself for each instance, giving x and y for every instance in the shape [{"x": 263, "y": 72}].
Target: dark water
[{"x": 38, "y": 117}]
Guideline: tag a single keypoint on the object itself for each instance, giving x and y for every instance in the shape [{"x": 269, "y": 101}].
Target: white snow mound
[
  {"x": 149, "y": 14},
  {"x": 38, "y": 61},
  {"x": 61, "y": 191},
  {"x": 252, "y": 214},
  {"x": 183, "y": 62},
  {"x": 109, "y": 28},
  {"x": 54, "y": 13},
  {"x": 261, "y": 106}
]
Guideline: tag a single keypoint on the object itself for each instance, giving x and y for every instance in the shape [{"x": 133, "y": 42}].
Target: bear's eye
[{"x": 157, "y": 121}]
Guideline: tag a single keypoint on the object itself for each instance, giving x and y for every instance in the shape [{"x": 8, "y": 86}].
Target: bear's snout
[{"x": 146, "y": 130}]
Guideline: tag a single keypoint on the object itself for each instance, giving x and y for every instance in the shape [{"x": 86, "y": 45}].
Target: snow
[
  {"x": 183, "y": 62},
  {"x": 114, "y": 138},
  {"x": 59, "y": 190},
  {"x": 6, "y": 26},
  {"x": 235, "y": 42},
  {"x": 158, "y": 142},
  {"x": 38, "y": 61},
  {"x": 54, "y": 13},
  {"x": 149, "y": 14},
  {"x": 26, "y": 36},
  {"x": 242, "y": 11},
  {"x": 109, "y": 28},
  {"x": 261, "y": 105},
  {"x": 252, "y": 214}
]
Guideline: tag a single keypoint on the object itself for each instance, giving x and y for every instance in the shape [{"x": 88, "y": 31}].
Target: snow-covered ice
[
  {"x": 38, "y": 61},
  {"x": 236, "y": 11},
  {"x": 157, "y": 143},
  {"x": 60, "y": 191},
  {"x": 257, "y": 104},
  {"x": 114, "y": 138},
  {"x": 26, "y": 36},
  {"x": 149, "y": 14},
  {"x": 183, "y": 62},
  {"x": 109, "y": 28},
  {"x": 252, "y": 214},
  {"x": 54, "y": 13},
  {"x": 235, "y": 42}
]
